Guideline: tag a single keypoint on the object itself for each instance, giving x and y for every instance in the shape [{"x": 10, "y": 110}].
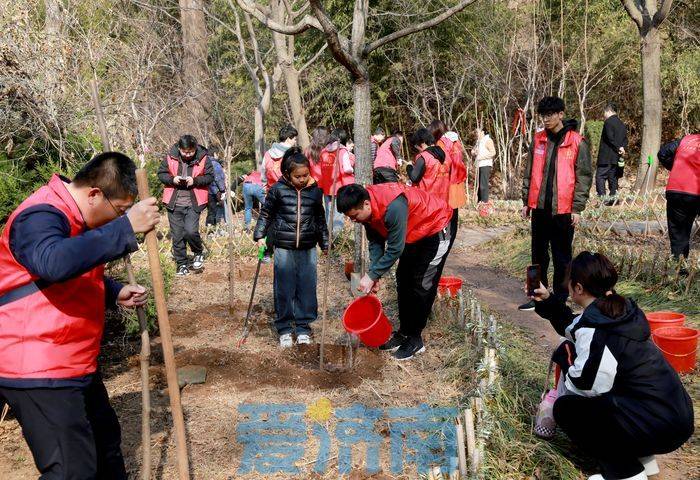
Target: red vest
[
  {"x": 200, "y": 193},
  {"x": 427, "y": 214},
  {"x": 565, "y": 170},
  {"x": 385, "y": 157},
  {"x": 685, "y": 174},
  {"x": 458, "y": 171},
  {"x": 55, "y": 332},
  {"x": 254, "y": 177},
  {"x": 329, "y": 167},
  {"x": 273, "y": 168},
  {"x": 436, "y": 179}
]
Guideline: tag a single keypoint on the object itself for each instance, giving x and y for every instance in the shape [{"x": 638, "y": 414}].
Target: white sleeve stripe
[{"x": 604, "y": 379}]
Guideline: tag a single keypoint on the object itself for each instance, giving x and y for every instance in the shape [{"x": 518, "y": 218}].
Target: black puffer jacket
[{"x": 296, "y": 217}]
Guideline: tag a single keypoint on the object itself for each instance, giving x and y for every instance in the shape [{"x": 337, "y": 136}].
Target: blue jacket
[{"x": 219, "y": 183}]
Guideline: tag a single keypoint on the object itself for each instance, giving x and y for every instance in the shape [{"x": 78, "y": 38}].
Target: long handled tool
[
  {"x": 140, "y": 313},
  {"x": 246, "y": 323}
]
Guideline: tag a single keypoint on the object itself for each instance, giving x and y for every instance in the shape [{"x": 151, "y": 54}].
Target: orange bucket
[
  {"x": 665, "y": 319},
  {"x": 450, "y": 284},
  {"x": 679, "y": 346}
]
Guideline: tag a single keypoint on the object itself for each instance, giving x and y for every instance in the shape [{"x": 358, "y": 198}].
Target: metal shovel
[{"x": 246, "y": 323}]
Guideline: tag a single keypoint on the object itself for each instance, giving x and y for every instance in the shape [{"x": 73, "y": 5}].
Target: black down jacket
[{"x": 296, "y": 217}]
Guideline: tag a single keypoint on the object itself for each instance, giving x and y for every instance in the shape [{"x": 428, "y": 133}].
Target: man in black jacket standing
[{"x": 613, "y": 142}]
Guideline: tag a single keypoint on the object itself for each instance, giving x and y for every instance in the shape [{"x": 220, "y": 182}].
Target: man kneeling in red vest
[
  {"x": 412, "y": 226},
  {"x": 53, "y": 295}
]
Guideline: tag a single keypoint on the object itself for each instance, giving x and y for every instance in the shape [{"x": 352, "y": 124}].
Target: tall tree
[
  {"x": 195, "y": 70},
  {"x": 648, "y": 15}
]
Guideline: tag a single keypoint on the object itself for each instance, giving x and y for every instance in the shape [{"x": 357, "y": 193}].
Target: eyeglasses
[
  {"x": 547, "y": 116},
  {"x": 117, "y": 211}
]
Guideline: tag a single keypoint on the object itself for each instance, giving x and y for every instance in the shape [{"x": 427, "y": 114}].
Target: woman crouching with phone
[{"x": 624, "y": 402}]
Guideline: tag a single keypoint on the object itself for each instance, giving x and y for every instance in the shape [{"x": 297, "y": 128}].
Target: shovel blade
[{"x": 355, "y": 284}]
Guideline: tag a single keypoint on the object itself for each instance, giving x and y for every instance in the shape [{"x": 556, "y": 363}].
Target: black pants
[
  {"x": 484, "y": 175},
  {"x": 417, "y": 276},
  {"x": 184, "y": 229},
  {"x": 454, "y": 226},
  {"x": 558, "y": 232},
  {"x": 73, "y": 432},
  {"x": 603, "y": 174},
  {"x": 590, "y": 424},
  {"x": 215, "y": 211},
  {"x": 384, "y": 175},
  {"x": 681, "y": 211}
]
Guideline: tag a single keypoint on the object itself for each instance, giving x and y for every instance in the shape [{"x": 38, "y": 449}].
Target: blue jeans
[
  {"x": 338, "y": 218},
  {"x": 295, "y": 290},
  {"x": 251, "y": 191}
]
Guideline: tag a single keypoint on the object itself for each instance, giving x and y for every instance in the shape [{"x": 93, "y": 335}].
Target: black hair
[
  {"x": 396, "y": 131},
  {"x": 292, "y": 159},
  {"x": 597, "y": 275},
  {"x": 350, "y": 197},
  {"x": 421, "y": 136},
  {"x": 213, "y": 150},
  {"x": 186, "y": 142},
  {"x": 112, "y": 172},
  {"x": 287, "y": 132},
  {"x": 611, "y": 107},
  {"x": 340, "y": 135},
  {"x": 437, "y": 128},
  {"x": 550, "y": 105},
  {"x": 379, "y": 131}
]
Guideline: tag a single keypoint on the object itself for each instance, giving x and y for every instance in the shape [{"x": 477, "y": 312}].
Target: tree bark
[
  {"x": 195, "y": 70},
  {"x": 651, "y": 133},
  {"x": 53, "y": 24}
]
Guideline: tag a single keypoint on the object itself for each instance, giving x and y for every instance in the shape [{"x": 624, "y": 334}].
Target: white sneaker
[
  {"x": 198, "y": 262},
  {"x": 303, "y": 339},
  {"x": 286, "y": 340},
  {"x": 650, "y": 465},
  {"x": 639, "y": 476}
]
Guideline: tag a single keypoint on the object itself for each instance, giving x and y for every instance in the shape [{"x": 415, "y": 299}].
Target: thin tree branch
[
  {"x": 314, "y": 58},
  {"x": 663, "y": 12},
  {"x": 301, "y": 26},
  {"x": 392, "y": 37},
  {"x": 339, "y": 45},
  {"x": 634, "y": 12}
]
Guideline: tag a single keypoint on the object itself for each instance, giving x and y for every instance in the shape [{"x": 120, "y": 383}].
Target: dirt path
[{"x": 503, "y": 293}]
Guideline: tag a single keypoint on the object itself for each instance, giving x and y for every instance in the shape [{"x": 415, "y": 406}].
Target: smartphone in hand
[
  {"x": 183, "y": 182},
  {"x": 534, "y": 278}
]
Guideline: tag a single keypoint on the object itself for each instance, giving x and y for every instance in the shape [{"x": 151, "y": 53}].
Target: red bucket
[
  {"x": 449, "y": 284},
  {"x": 679, "y": 345},
  {"x": 365, "y": 318},
  {"x": 665, "y": 319}
]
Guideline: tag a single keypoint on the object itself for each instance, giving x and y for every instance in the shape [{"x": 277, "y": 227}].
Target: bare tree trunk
[
  {"x": 194, "y": 64},
  {"x": 651, "y": 134},
  {"x": 291, "y": 78},
  {"x": 259, "y": 133},
  {"x": 363, "y": 164}
]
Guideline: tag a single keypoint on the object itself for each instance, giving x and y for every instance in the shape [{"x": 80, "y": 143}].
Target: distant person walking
[
  {"x": 483, "y": 152},
  {"x": 613, "y": 143}
]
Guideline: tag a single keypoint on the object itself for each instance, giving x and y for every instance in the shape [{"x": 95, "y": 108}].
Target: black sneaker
[
  {"x": 527, "y": 307},
  {"x": 394, "y": 342},
  {"x": 198, "y": 262},
  {"x": 182, "y": 270},
  {"x": 409, "y": 348}
]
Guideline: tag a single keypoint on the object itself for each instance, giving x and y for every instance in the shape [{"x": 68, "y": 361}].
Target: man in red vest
[
  {"x": 272, "y": 161},
  {"x": 682, "y": 158},
  {"x": 388, "y": 159},
  {"x": 556, "y": 184},
  {"x": 186, "y": 172},
  {"x": 412, "y": 226},
  {"x": 376, "y": 140},
  {"x": 53, "y": 295}
]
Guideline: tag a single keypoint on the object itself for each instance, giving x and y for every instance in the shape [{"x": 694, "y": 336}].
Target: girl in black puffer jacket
[{"x": 293, "y": 213}]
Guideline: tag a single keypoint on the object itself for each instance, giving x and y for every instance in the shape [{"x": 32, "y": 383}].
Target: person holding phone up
[{"x": 623, "y": 403}]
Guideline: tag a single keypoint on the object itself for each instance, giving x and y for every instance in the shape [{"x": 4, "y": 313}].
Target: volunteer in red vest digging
[
  {"x": 53, "y": 295},
  {"x": 682, "y": 158},
  {"x": 410, "y": 225},
  {"x": 388, "y": 160},
  {"x": 186, "y": 172},
  {"x": 556, "y": 184}
]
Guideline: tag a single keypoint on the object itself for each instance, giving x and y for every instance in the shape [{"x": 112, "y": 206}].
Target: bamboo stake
[
  {"x": 5, "y": 409},
  {"x": 471, "y": 440},
  {"x": 166, "y": 337},
  {"x": 326, "y": 280},
  {"x": 461, "y": 448},
  {"x": 231, "y": 263},
  {"x": 145, "y": 354}
]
